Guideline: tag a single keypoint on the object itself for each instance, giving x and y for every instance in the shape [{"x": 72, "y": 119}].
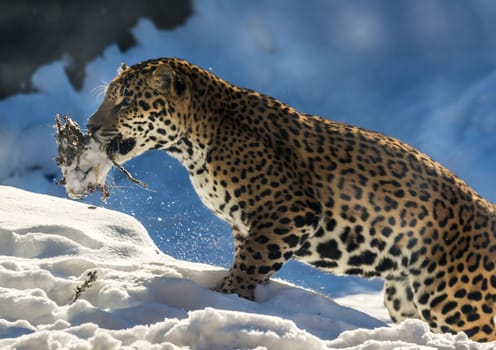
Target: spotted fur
[{"x": 341, "y": 198}]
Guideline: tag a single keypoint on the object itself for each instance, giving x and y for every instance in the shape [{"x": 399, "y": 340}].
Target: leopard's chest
[{"x": 219, "y": 200}]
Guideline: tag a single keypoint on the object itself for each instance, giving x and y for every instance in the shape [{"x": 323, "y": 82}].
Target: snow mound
[
  {"x": 409, "y": 335},
  {"x": 144, "y": 299}
]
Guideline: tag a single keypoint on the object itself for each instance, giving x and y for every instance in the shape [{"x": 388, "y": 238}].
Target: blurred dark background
[{"x": 33, "y": 33}]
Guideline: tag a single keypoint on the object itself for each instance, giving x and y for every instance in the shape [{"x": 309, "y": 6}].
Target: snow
[
  {"x": 424, "y": 74},
  {"x": 144, "y": 299}
]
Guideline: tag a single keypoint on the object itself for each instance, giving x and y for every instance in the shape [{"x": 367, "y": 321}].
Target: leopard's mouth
[
  {"x": 116, "y": 147},
  {"x": 86, "y": 158},
  {"x": 113, "y": 142},
  {"x": 120, "y": 146}
]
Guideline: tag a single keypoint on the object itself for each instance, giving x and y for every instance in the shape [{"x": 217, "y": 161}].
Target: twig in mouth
[{"x": 129, "y": 176}]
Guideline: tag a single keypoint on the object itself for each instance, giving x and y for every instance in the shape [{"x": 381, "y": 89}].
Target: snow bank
[
  {"x": 409, "y": 335},
  {"x": 144, "y": 299},
  {"x": 467, "y": 143}
]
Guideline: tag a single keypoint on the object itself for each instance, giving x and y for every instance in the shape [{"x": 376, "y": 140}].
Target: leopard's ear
[
  {"x": 162, "y": 78},
  {"x": 165, "y": 79},
  {"x": 122, "y": 68}
]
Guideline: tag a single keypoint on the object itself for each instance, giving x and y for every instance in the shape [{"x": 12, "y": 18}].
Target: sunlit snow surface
[
  {"x": 425, "y": 73},
  {"x": 143, "y": 299}
]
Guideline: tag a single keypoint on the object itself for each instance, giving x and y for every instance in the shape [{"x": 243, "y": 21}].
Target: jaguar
[{"x": 291, "y": 185}]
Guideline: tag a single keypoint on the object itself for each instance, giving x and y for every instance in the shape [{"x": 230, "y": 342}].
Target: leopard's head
[{"x": 144, "y": 108}]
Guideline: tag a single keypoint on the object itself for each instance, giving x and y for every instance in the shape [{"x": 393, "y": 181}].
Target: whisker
[{"x": 100, "y": 90}]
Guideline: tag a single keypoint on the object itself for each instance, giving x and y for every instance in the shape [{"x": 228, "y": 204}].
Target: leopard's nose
[
  {"x": 102, "y": 118},
  {"x": 93, "y": 128}
]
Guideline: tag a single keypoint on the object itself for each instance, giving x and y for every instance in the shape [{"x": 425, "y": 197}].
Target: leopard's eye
[{"x": 127, "y": 101}]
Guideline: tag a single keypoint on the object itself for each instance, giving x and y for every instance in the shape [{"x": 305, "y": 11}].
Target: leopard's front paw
[{"x": 244, "y": 290}]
